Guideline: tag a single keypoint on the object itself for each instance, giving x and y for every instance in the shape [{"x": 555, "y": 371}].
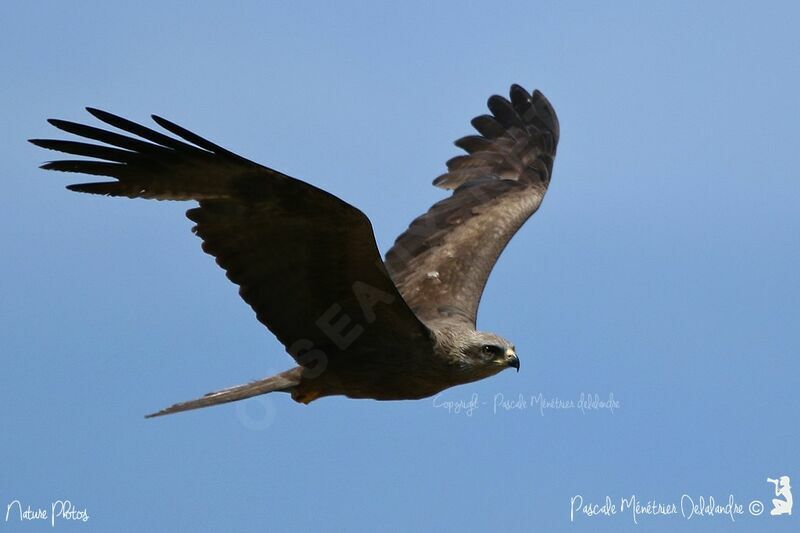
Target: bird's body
[
  {"x": 307, "y": 262},
  {"x": 395, "y": 376}
]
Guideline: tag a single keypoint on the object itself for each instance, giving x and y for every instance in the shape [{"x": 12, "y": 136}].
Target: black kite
[{"x": 307, "y": 262}]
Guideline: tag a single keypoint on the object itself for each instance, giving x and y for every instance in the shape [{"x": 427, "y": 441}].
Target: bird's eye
[{"x": 488, "y": 349}]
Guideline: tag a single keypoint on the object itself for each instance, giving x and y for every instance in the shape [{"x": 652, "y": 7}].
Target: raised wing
[
  {"x": 442, "y": 261},
  {"x": 305, "y": 261}
]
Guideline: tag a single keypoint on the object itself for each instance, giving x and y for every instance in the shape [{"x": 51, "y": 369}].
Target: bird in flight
[{"x": 398, "y": 328}]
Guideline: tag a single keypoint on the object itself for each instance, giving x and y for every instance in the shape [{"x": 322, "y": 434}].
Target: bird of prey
[{"x": 307, "y": 262}]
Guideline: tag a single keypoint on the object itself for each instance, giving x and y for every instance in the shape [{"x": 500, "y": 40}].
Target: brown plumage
[{"x": 307, "y": 262}]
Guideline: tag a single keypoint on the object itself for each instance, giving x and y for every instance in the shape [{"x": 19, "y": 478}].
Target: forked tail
[{"x": 283, "y": 382}]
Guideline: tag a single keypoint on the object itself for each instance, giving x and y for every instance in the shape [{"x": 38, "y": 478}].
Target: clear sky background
[{"x": 662, "y": 267}]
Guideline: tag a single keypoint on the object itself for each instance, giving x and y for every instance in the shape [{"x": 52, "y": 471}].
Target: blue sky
[{"x": 661, "y": 268}]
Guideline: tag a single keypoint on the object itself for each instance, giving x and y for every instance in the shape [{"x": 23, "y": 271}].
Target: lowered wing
[{"x": 305, "y": 261}]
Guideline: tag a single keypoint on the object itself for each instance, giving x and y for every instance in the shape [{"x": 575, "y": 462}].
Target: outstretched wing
[
  {"x": 442, "y": 261},
  {"x": 305, "y": 261}
]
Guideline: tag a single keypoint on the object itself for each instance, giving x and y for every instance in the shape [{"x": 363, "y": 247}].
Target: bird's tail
[{"x": 283, "y": 382}]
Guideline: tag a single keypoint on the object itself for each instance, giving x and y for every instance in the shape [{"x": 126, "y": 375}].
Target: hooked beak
[{"x": 513, "y": 360}]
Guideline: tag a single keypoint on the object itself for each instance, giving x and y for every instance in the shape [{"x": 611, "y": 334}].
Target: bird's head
[{"x": 488, "y": 354}]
